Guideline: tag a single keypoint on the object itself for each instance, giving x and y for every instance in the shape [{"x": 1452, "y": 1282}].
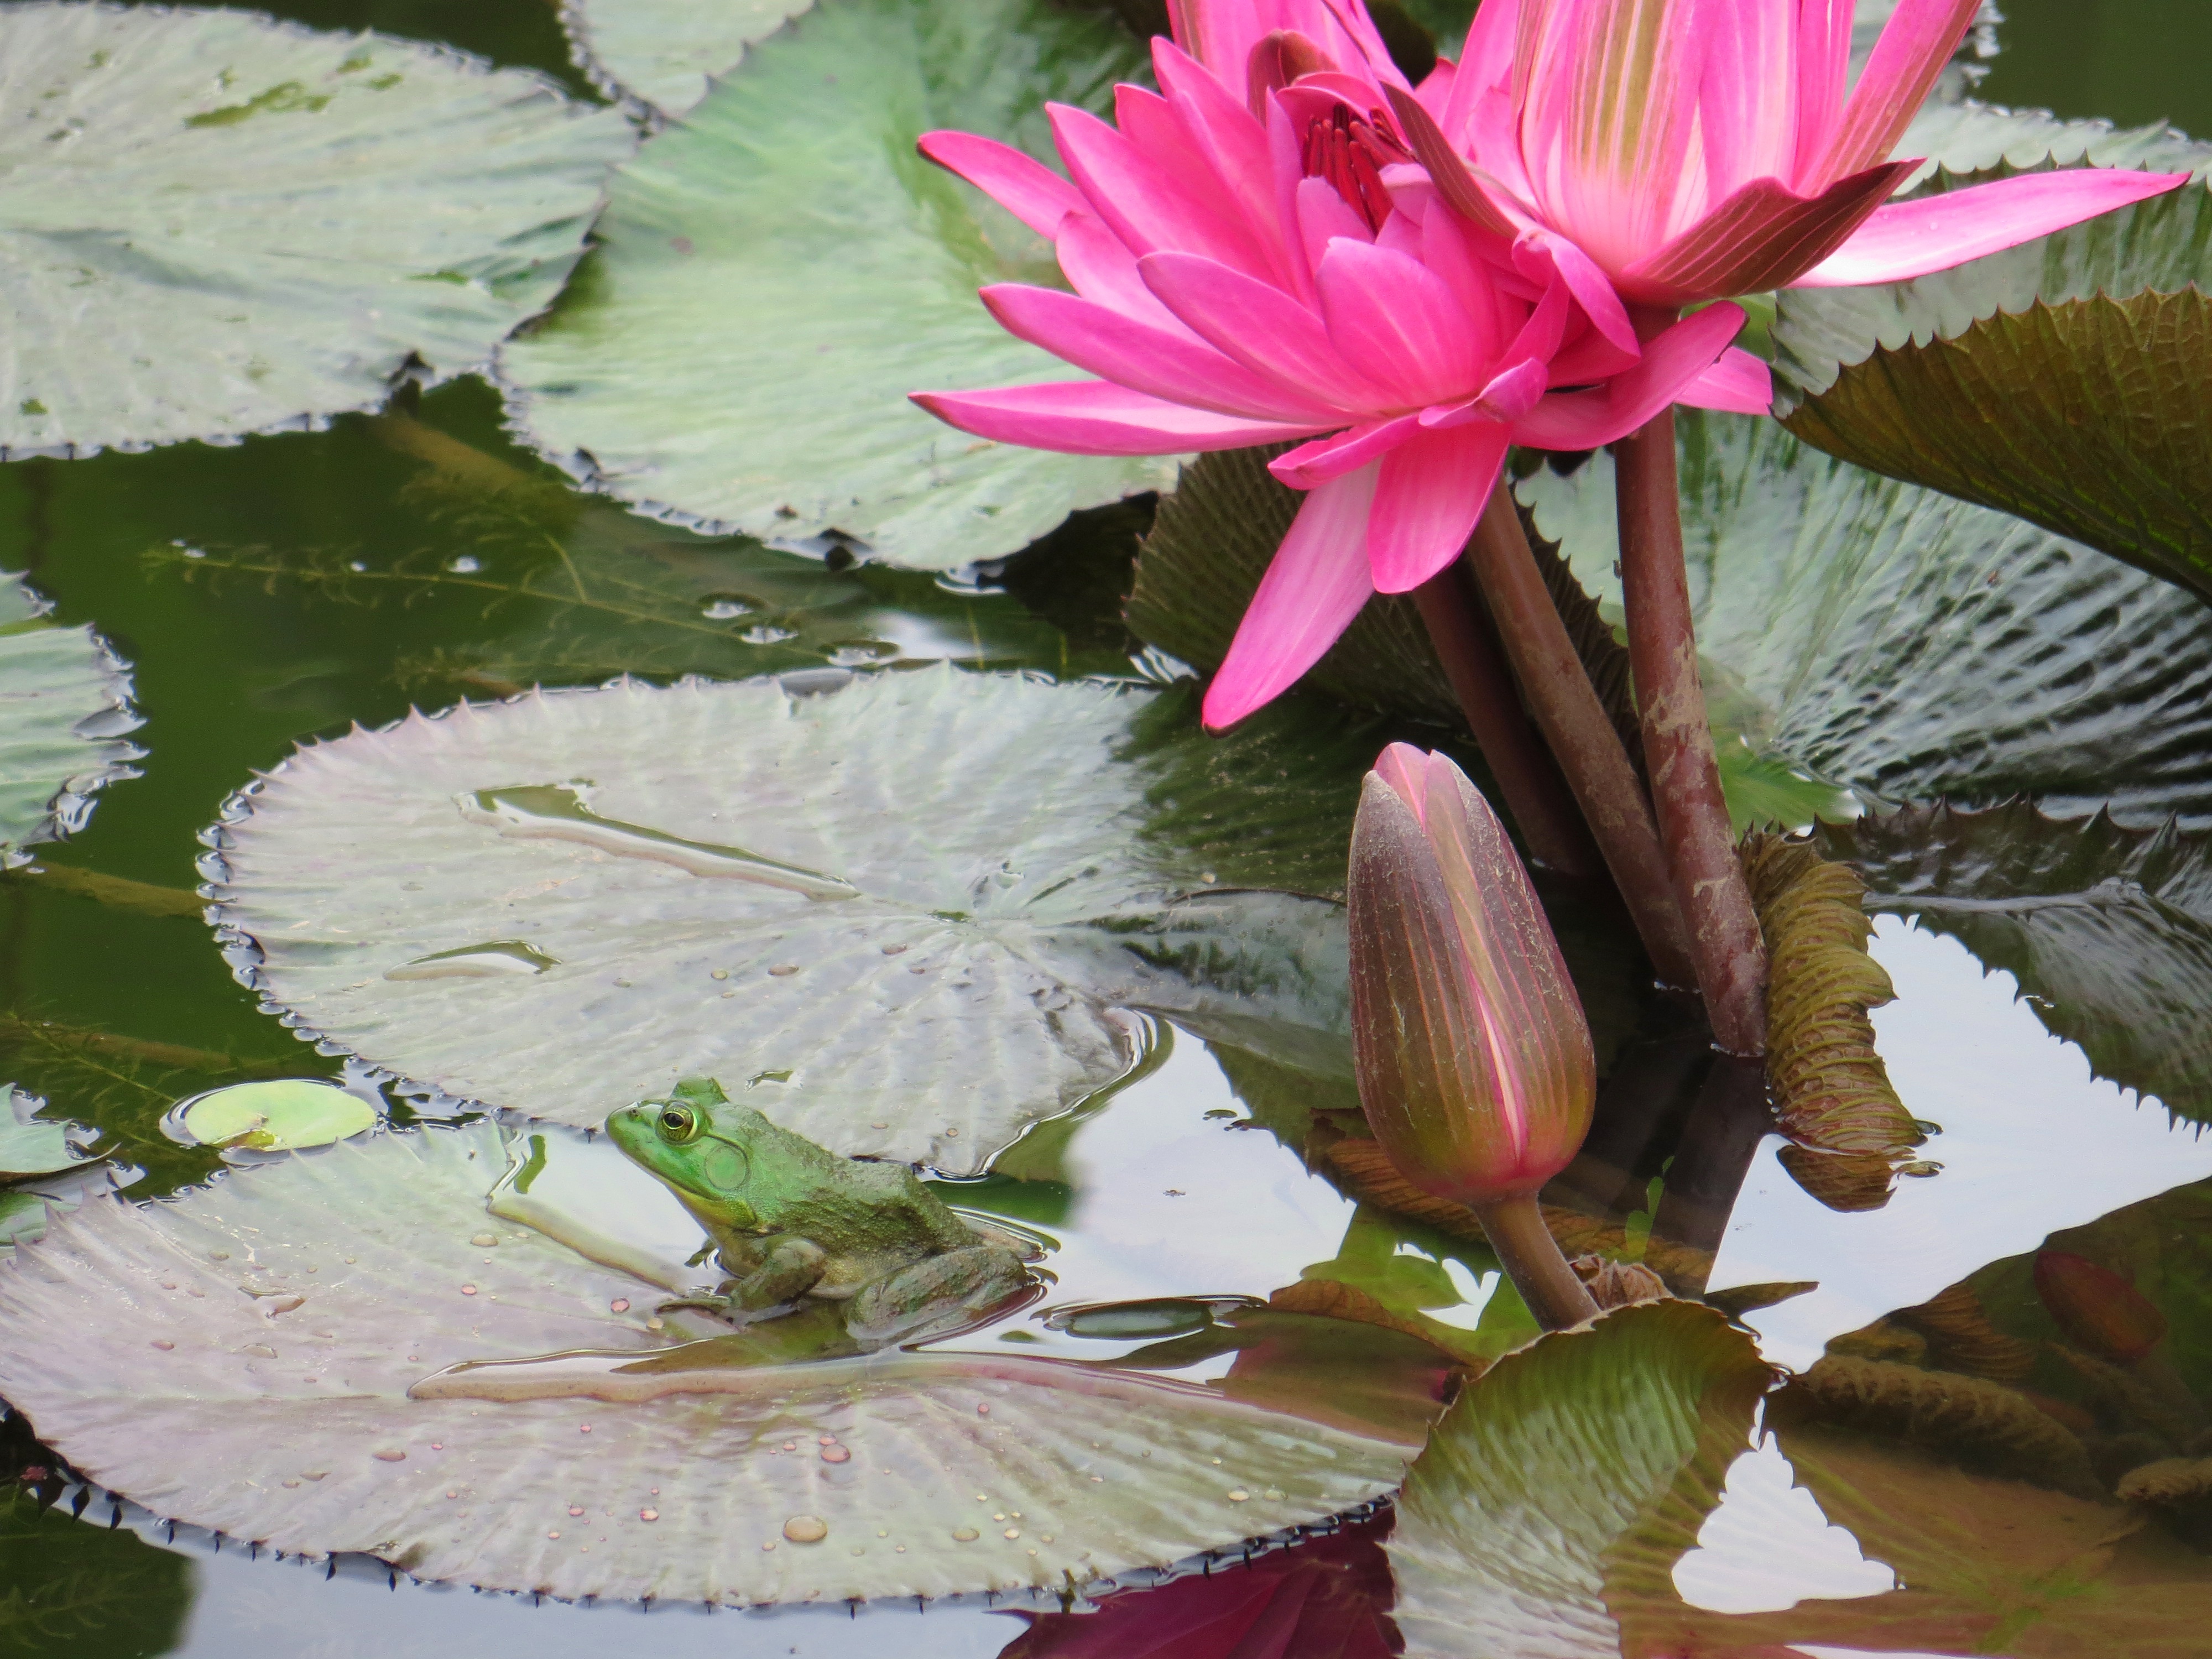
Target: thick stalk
[
  {"x": 1535, "y": 793},
  {"x": 1678, "y": 742},
  {"x": 1574, "y": 722},
  {"x": 1528, "y": 1251}
]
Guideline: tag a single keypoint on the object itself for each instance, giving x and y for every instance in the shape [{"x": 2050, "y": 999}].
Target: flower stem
[
  {"x": 1527, "y": 775},
  {"x": 1678, "y": 742},
  {"x": 1573, "y": 721},
  {"x": 1528, "y": 1251}
]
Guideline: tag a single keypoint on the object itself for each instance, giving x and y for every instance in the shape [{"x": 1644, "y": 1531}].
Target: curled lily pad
[
  {"x": 666, "y": 53},
  {"x": 30, "y": 1144},
  {"x": 735, "y": 380},
  {"x": 217, "y": 224},
  {"x": 276, "y": 1361},
  {"x": 899, "y": 917},
  {"x": 283, "y": 1115},
  {"x": 1908, "y": 646},
  {"x": 64, "y": 707}
]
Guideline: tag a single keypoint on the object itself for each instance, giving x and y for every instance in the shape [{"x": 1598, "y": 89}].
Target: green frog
[{"x": 792, "y": 1220}]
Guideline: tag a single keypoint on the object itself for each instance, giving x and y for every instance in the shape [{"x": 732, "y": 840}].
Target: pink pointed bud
[{"x": 1474, "y": 1061}]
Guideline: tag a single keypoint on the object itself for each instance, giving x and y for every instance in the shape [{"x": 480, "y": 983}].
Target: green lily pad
[
  {"x": 314, "y": 1354},
  {"x": 2106, "y": 930},
  {"x": 217, "y": 224},
  {"x": 1548, "y": 1463},
  {"x": 64, "y": 707},
  {"x": 284, "y": 1115},
  {"x": 2062, "y": 380},
  {"x": 32, "y": 1146},
  {"x": 72, "y": 1585},
  {"x": 708, "y": 371},
  {"x": 666, "y": 53},
  {"x": 899, "y": 917},
  {"x": 1910, "y": 647},
  {"x": 1961, "y": 136}
]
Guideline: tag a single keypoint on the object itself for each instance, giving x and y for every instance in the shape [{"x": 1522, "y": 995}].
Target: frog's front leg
[
  {"x": 788, "y": 1268},
  {"x": 937, "y": 1292}
]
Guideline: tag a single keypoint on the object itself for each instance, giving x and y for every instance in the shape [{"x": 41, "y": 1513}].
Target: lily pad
[
  {"x": 64, "y": 707},
  {"x": 219, "y": 224},
  {"x": 262, "y": 1359},
  {"x": 706, "y": 372},
  {"x": 666, "y": 53},
  {"x": 899, "y": 917},
  {"x": 1910, "y": 647},
  {"x": 2062, "y": 380},
  {"x": 2106, "y": 930},
  {"x": 283, "y": 1115},
  {"x": 32, "y": 1146}
]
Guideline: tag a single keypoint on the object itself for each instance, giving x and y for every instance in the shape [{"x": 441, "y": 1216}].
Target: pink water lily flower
[
  {"x": 1698, "y": 148},
  {"x": 1256, "y": 257}
]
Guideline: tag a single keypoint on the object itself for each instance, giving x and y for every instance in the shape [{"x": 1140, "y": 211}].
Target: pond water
[{"x": 293, "y": 588}]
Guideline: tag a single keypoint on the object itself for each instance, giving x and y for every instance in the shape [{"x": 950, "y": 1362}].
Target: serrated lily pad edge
[{"x": 112, "y": 757}]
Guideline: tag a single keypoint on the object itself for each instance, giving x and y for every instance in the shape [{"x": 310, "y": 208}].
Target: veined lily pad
[
  {"x": 2108, "y": 930},
  {"x": 2062, "y": 381},
  {"x": 32, "y": 1146},
  {"x": 64, "y": 706},
  {"x": 899, "y": 917},
  {"x": 665, "y": 54},
  {"x": 280, "y": 1116},
  {"x": 1912, "y": 646},
  {"x": 250, "y": 1369},
  {"x": 708, "y": 371},
  {"x": 217, "y": 224}
]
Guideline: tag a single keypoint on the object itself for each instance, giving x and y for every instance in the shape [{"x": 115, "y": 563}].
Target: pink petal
[
  {"x": 1739, "y": 384},
  {"x": 1824, "y": 63},
  {"x": 1671, "y": 361},
  {"x": 1313, "y": 589},
  {"x": 1324, "y": 216},
  {"x": 1486, "y": 65},
  {"x": 1147, "y": 206},
  {"x": 1451, "y": 249},
  {"x": 1261, "y": 326},
  {"x": 1025, "y": 187},
  {"x": 1763, "y": 236},
  {"x": 1406, "y": 769},
  {"x": 1099, "y": 266},
  {"x": 1917, "y": 41},
  {"x": 1144, "y": 359},
  {"x": 1396, "y": 322},
  {"x": 1911, "y": 238},
  {"x": 1095, "y": 417},
  {"x": 1748, "y": 102},
  {"x": 1541, "y": 255},
  {"x": 1233, "y": 145},
  {"x": 1454, "y": 182},
  {"x": 1313, "y": 464},
  {"x": 1432, "y": 490}
]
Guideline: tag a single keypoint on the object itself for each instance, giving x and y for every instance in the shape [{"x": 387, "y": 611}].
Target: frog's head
[{"x": 706, "y": 1147}]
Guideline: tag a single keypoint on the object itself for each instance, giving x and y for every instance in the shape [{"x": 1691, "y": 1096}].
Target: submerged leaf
[
  {"x": 216, "y": 223},
  {"x": 612, "y": 888},
  {"x": 666, "y": 53},
  {"x": 733, "y": 379},
  {"x": 64, "y": 708},
  {"x": 2106, "y": 930},
  {"x": 261, "y": 1366},
  {"x": 1907, "y": 645}
]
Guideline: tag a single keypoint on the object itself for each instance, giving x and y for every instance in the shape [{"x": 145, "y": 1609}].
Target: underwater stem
[
  {"x": 1573, "y": 721},
  {"x": 1527, "y": 775},
  {"x": 1529, "y": 1252},
  {"x": 1725, "y": 943}
]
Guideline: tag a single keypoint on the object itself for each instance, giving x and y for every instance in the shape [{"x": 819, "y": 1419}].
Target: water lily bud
[
  {"x": 2098, "y": 1308},
  {"x": 1474, "y": 1060}
]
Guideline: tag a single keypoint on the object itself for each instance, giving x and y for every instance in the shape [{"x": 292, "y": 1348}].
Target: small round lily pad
[{"x": 283, "y": 1116}]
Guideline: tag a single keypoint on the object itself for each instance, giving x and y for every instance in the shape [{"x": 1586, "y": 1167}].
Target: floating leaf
[
  {"x": 665, "y": 54},
  {"x": 720, "y": 376},
  {"x": 267, "y": 1396},
  {"x": 1029, "y": 858},
  {"x": 218, "y": 224},
  {"x": 1906, "y": 645},
  {"x": 64, "y": 706},
  {"x": 1964, "y": 136},
  {"x": 2106, "y": 930},
  {"x": 66, "y": 1586},
  {"x": 284, "y": 1115},
  {"x": 29, "y": 1145},
  {"x": 1547, "y": 1461}
]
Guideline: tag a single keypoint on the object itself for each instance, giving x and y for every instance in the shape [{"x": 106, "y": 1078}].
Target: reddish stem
[
  {"x": 1539, "y": 1268},
  {"x": 1527, "y": 775},
  {"x": 1678, "y": 742},
  {"x": 1574, "y": 722}
]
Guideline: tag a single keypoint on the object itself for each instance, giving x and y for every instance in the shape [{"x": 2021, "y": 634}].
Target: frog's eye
[{"x": 678, "y": 1124}]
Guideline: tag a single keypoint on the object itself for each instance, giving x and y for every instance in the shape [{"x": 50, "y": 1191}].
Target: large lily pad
[
  {"x": 665, "y": 54},
  {"x": 706, "y": 370},
  {"x": 899, "y": 917},
  {"x": 2108, "y": 930},
  {"x": 218, "y": 224},
  {"x": 64, "y": 707},
  {"x": 1911, "y": 647},
  {"x": 242, "y": 1358}
]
